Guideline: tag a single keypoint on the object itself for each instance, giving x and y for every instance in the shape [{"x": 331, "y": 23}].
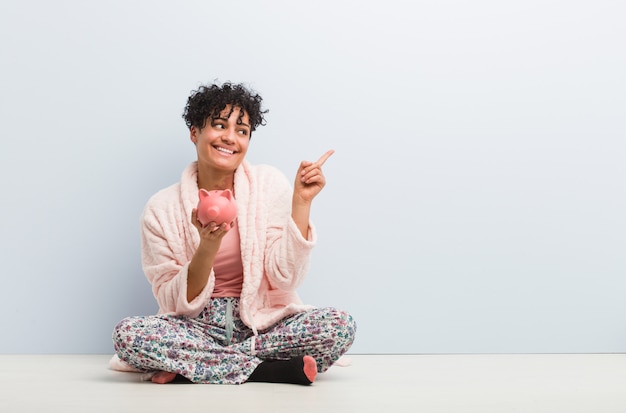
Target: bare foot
[
  {"x": 310, "y": 368},
  {"x": 163, "y": 377}
]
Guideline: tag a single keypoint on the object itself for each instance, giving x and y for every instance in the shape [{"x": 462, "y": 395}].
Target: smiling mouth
[{"x": 224, "y": 150}]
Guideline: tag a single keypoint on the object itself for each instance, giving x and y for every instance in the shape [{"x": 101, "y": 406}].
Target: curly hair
[{"x": 209, "y": 101}]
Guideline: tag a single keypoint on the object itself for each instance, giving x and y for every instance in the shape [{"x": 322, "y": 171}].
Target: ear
[
  {"x": 203, "y": 193},
  {"x": 193, "y": 134},
  {"x": 228, "y": 194}
]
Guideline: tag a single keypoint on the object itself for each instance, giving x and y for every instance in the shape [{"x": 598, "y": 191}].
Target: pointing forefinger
[{"x": 324, "y": 157}]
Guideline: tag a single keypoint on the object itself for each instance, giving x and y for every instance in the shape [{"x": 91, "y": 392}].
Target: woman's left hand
[{"x": 310, "y": 180}]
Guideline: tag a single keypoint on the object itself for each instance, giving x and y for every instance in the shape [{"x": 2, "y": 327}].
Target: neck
[{"x": 212, "y": 180}]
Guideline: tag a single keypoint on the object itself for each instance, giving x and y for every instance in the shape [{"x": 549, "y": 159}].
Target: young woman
[{"x": 228, "y": 307}]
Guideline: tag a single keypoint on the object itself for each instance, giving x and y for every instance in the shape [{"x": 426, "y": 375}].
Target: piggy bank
[{"x": 216, "y": 206}]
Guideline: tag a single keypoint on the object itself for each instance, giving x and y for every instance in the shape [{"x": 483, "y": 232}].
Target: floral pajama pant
[{"x": 217, "y": 347}]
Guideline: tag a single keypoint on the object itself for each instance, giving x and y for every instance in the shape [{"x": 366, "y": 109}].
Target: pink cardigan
[{"x": 275, "y": 256}]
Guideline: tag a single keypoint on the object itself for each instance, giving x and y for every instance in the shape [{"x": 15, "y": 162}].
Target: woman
[{"x": 228, "y": 307}]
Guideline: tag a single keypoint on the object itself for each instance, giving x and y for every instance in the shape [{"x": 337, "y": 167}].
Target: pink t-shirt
[{"x": 228, "y": 267}]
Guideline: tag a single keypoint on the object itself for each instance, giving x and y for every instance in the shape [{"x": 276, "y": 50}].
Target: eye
[
  {"x": 218, "y": 124},
  {"x": 243, "y": 132}
]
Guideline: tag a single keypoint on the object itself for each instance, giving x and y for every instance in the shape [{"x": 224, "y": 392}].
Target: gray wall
[{"x": 475, "y": 203}]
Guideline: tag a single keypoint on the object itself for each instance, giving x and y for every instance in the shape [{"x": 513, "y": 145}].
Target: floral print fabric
[{"x": 217, "y": 347}]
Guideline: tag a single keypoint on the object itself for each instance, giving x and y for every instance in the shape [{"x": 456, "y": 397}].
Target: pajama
[{"x": 217, "y": 347}]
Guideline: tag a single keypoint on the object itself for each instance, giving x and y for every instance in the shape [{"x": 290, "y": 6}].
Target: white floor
[{"x": 373, "y": 383}]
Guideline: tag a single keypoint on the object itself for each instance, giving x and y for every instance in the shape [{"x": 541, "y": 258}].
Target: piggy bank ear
[
  {"x": 228, "y": 194},
  {"x": 203, "y": 193}
]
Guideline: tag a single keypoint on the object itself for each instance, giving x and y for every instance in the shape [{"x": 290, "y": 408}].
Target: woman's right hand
[{"x": 211, "y": 234}]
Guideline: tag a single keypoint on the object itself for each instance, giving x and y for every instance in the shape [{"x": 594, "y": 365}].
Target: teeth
[{"x": 224, "y": 150}]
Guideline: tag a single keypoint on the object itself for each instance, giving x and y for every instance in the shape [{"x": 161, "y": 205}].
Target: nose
[{"x": 228, "y": 136}]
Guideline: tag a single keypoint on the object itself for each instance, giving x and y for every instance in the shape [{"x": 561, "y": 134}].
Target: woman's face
[{"x": 222, "y": 143}]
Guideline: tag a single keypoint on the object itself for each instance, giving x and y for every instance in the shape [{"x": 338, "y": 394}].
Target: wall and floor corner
[{"x": 474, "y": 203}]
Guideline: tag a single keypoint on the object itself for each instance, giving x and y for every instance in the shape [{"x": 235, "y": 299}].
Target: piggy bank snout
[{"x": 213, "y": 212}]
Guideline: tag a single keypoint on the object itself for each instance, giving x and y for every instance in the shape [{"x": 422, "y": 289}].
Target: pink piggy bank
[{"x": 216, "y": 206}]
